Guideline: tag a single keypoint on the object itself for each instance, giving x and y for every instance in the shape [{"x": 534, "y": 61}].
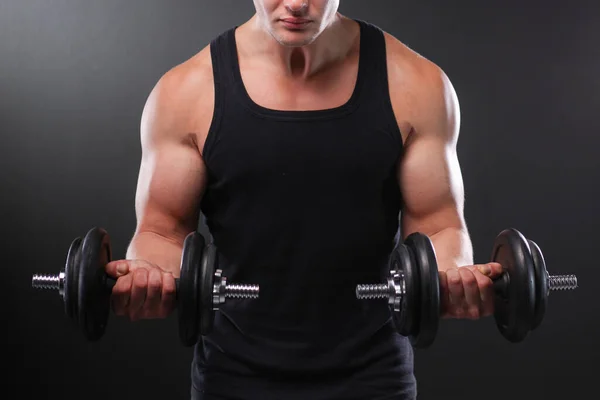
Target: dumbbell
[
  {"x": 413, "y": 289},
  {"x": 86, "y": 288}
]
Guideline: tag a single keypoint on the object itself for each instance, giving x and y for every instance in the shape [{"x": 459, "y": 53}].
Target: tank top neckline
[{"x": 346, "y": 108}]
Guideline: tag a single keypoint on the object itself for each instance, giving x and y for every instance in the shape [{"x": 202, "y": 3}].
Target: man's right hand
[{"x": 142, "y": 291}]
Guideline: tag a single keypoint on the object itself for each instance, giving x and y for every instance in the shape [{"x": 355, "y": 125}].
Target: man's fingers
[
  {"x": 121, "y": 295},
  {"x": 471, "y": 292},
  {"x": 153, "y": 294},
  {"x": 168, "y": 295},
  {"x": 456, "y": 293},
  {"x": 444, "y": 294},
  {"x": 486, "y": 293},
  {"x": 142, "y": 290},
  {"x": 138, "y": 293}
]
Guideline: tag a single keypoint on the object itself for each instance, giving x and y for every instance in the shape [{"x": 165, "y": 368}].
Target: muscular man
[{"x": 302, "y": 136}]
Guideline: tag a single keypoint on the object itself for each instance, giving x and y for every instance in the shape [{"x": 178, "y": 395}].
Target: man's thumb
[{"x": 117, "y": 268}]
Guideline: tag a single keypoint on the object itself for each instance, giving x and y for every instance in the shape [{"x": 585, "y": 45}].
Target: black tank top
[{"x": 305, "y": 204}]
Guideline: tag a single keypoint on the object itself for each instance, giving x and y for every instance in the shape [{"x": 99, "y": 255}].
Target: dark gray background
[{"x": 74, "y": 76}]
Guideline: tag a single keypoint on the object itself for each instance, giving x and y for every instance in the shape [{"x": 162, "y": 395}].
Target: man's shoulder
[
  {"x": 192, "y": 76},
  {"x": 410, "y": 68},
  {"x": 420, "y": 89},
  {"x": 182, "y": 99}
]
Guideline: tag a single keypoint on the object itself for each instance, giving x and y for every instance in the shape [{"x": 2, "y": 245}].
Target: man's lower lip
[{"x": 294, "y": 25}]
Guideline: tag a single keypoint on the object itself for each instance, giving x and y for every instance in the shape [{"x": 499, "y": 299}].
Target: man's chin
[{"x": 294, "y": 38}]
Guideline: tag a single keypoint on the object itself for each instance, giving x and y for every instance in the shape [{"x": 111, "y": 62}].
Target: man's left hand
[{"x": 468, "y": 292}]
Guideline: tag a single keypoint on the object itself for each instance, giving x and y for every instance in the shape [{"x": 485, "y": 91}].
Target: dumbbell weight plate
[
  {"x": 424, "y": 254},
  {"x": 514, "y": 301},
  {"x": 94, "y": 296},
  {"x": 190, "y": 287},
  {"x": 207, "y": 277},
  {"x": 407, "y": 320},
  {"x": 71, "y": 280},
  {"x": 541, "y": 284}
]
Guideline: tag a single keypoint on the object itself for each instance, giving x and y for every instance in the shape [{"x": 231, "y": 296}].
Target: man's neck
[{"x": 333, "y": 44}]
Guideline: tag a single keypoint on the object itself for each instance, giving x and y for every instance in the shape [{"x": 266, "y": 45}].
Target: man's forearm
[
  {"x": 156, "y": 249},
  {"x": 453, "y": 248}
]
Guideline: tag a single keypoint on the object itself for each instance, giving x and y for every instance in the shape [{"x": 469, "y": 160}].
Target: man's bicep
[
  {"x": 172, "y": 174},
  {"x": 168, "y": 192},
  {"x": 432, "y": 187},
  {"x": 430, "y": 175}
]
